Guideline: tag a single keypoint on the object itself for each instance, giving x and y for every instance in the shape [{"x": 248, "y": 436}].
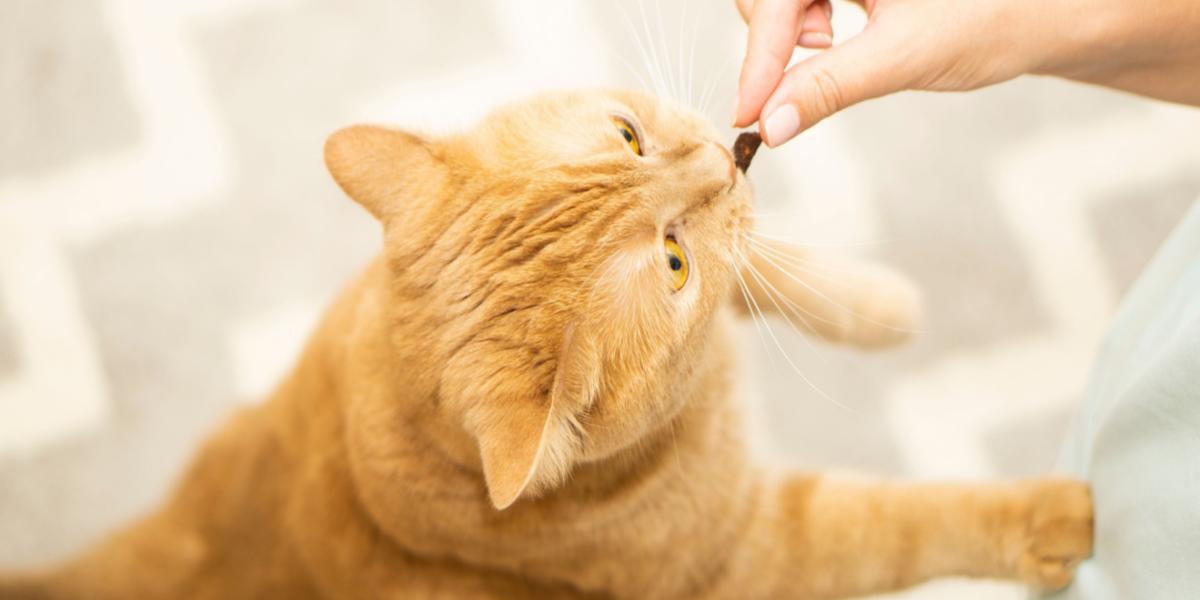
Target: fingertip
[{"x": 781, "y": 125}]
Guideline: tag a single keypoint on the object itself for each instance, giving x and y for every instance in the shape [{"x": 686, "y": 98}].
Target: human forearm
[{"x": 1150, "y": 49}]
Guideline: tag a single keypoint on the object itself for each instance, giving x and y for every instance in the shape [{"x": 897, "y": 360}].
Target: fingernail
[
  {"x": 782, "y": 125},
  {"x": 816, "y": 39},
  {"x": 737, "y": 104}
]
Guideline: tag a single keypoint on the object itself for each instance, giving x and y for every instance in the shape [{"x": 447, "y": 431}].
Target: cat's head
[{"x": 565, "y": 259}]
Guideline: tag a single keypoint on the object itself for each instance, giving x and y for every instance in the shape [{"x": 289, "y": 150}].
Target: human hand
[{"x": 953, "y": 46}]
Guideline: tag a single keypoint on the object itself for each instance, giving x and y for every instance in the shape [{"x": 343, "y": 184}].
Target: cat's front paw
[{"x": 1058, "y": 533}]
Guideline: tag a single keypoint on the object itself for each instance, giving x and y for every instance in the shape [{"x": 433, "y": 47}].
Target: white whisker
[
  {"x": 687, "y": 100},
  {"x": 754, "y": 317},
  {"x": 641, "y": 80},
  {"x": 715, "y": 78},
  {"x": 666, "y": 53},
  {"x": 652, "y": 50},
  {"x": 691, "y": 70},
  {"x": 774, "y": 238},
  {"x": 825, "y": 297},
  {"x": 800, "y": 263},
  {"x": 642, "y": 51},
  {"x": 797, "y": 309},
  {"x": 787, "y": 357}
]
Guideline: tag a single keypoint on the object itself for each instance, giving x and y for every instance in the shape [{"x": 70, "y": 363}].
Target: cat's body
[{"x": 518, "y": 400}]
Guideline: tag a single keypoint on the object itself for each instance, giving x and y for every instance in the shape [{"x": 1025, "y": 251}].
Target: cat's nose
[{"x": 729, "y": 158}]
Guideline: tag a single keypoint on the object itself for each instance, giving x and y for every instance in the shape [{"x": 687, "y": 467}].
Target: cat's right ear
[{"x": 381, "y": 168}]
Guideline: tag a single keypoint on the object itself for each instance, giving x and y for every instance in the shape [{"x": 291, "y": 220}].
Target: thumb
[{"x": 874, "y": 63}]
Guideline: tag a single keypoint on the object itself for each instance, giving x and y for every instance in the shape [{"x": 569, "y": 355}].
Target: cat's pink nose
[{"x": 729, "y": 158}]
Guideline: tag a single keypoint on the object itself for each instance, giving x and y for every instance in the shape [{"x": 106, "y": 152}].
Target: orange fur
[{"x": 513, "y": 401}]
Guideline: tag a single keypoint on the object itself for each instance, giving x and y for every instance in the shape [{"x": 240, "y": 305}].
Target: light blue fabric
[{"x": 1137, "y": 436}]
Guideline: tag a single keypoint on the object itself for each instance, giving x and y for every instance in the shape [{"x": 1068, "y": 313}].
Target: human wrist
[{"x": 1127, "y": 46}]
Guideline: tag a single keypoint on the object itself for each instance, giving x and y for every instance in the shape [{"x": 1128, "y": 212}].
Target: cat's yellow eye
[
  {"x": 676, "y": 261},
  {"x": 629, "y": 133}
]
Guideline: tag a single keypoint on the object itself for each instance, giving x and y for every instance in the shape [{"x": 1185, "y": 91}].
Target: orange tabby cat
[{"x": 529, "y": 395}]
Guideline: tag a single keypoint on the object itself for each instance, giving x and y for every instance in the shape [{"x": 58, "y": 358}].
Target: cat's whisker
[
  {"x": 773, "y": 292},
  {"x": 775, "y": 238},
  {"x": 679, "y": 59},
  {"x": 714, "y": 79},
  {"x": 652, "y": 49},
  {"x": 700, "y": 101},
  {"x": 803, "y": 263},
  {"x": 826, "y": 298},
  {"x": 691, "y": 69},
  {"x": 820, "y": 270},
  {"x": 641, "y": 80},
  {"x": 788, "y": 357},
  {"x": 750, "y": 307},
  {"x": 800, "y": 263},
  {"x": 642, "y": 51},
  {"x": 662, "y": 40},
  {"x": 780, "y": 259}
]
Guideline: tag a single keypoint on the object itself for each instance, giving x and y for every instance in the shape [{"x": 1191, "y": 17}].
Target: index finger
[{"x": 774, "y": 27}]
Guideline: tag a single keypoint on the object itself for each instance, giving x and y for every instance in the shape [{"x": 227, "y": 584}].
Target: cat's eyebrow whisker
[
  {"x": 662, "y": 40},
  {"x": 642, "y": 50},
  {"x": 788, "y": 358},
  {"x": 679, "y": 58},
  {"x": 825, "y": 297},
  {"x": 652, "y": 49},
  {"x": 691, "y": 70},
  {"x": 715, "y": 78},
  {"x": 625, "y": 63}
]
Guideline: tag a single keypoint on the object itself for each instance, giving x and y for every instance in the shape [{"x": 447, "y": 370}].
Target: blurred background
[{"x": 168, "y": 234}]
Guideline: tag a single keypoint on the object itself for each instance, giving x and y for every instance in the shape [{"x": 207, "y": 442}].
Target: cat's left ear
[
  {"x": 528, "y": 445},
  {"x": 380, "y": 168}
]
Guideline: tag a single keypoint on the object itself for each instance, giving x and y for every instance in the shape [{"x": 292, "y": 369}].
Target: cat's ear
[
  {"x": 379, "y": 167},
  {"x": 527, "y": 447}
]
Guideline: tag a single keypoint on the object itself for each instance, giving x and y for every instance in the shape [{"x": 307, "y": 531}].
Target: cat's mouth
[{"x": 744, "y": 148}]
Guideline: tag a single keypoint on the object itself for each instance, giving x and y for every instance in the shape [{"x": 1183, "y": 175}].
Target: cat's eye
[
  {"x": 677, "y": 262},
  {"x": 629, "y": 132}
]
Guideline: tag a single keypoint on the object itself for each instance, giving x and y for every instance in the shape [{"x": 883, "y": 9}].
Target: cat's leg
[
  {"x": 25, "y": 586},
  {"x": 819, "y": 537},
  {"x": 840, "y": 300},
  {"x": 144, "y": 560}
]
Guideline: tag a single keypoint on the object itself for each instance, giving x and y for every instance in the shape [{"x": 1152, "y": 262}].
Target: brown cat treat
[
  {"x": 744, "y": 148},
  {"x": 529, "y": 394}
]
